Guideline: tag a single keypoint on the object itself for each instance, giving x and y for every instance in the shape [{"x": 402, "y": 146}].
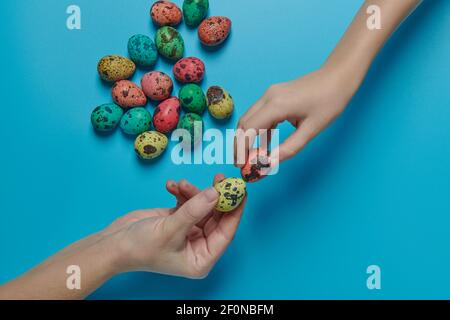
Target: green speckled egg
[
  {"x": 114, "y": 68},
  {"x": 150, "y": 144},
  {"x": 193, "y": 123},
  {"x": 231, "y": 193},
  {"x": 142, "y": 50},
  {"x": 106, "y": 117},
  {"x": 195, "y": 11},
  {"x": 192, "y": 98},
  {"x": 169, "y": 42},
  {"x": 135, "y": 121}
]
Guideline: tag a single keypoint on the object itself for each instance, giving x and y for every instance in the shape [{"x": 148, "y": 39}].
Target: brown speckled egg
[
  {"x": 128, "y": 95},
  {"x": 257, "y": 166},
  {"x": 166, "y": 115},
  {"x": 114, "y": 68},
  {"x": 165, "y": 13},
  {"x": 214, "y": 30},
  {"x": 189, "y": 70},
  {"x": 157, "y": 85}
]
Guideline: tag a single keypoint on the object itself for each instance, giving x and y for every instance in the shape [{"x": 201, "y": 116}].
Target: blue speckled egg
[
  {"x": 106, "y": 117},
  {"x": 142, "y": 50},
  {"x": 135, "y": 121}
]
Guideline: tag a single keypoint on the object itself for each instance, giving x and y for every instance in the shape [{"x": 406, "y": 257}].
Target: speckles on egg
[
  {"x": 128, "y": 95},
  {"x": 135, "y": 121},
  {"x": 150, "y": 144},
  {"x": 193, "y": 124},
  {"x": 157, "y": 85},
  {"x": 257, "y": 166},
  {"x": 166, "y": 115},
  {"x": 194, "y": 11},
  {"x": 220, "y": 102},
  {"x": 170, "y": 43},
  {"x": 231, "y": 193},
  {"x": 192, "y": 98},
  {"x": 189, "y": 70},
  {"x": 214, "y": 30},
  {"x": 142, "y": 50},
  {"x": 106, "y": 117},
  {"x": 165, "y": 13},
  {"x": 114, "y": 68}
]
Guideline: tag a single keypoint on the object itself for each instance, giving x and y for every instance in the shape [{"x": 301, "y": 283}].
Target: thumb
[{"x": 193, "y": 211}]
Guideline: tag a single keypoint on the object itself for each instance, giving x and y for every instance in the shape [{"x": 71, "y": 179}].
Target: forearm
[
  {"x": 358, "y": 47},
  {"x": 95, "y": 257}
]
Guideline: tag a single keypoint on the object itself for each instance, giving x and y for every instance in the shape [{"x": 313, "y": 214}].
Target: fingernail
[{"x": 211, "y": 194}]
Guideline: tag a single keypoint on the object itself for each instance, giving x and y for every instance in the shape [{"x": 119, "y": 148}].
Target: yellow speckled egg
[
  {"x": 220, "y": 102},
  {"x": 231, "y": 193},
  {"x": 150, "y": 145},
  {"x": 115, "y": 68}
]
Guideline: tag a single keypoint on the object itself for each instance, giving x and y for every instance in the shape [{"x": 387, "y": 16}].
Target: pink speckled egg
[
  {"x": 166, "y": 115},
  {"x": 128, "y": 95},
  {"x": 189, "y": 70},
  {"x": 214, "y": 30},
  {"x": 165, "y": 13},
  {"x": 157, "y": 85}
]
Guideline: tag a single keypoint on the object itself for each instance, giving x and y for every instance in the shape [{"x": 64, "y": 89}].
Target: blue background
[{"x": 374, "y": 188}]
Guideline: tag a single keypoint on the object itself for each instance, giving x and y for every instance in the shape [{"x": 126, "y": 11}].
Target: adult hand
[
  {"x": 186, "y": 240},
  {"x": 309, "y": 103}
]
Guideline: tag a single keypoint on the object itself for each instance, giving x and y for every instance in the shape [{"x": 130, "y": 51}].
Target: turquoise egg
[
  {"x": 106, "y": 117},
  {"x": 142, "y": 50},
  {"x": 136, "y": 121}
]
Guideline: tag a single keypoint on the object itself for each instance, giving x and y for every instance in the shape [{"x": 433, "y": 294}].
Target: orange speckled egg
[
  {"x": 128, "y": 95},
  {"x": 165, "y": 13},
  {"x": 214, "y": 30}
]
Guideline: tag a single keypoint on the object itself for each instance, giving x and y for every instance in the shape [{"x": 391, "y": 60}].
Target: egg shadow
[
  {"x": 307, "y": 171},
  {"x": 103, "y": 134},
  {"x": 213, "y": 49},
  {"x": 143, "y": 285}
]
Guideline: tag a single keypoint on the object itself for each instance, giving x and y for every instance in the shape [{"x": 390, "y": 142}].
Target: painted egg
[
  {"x": 214, "y": 30},
  {"x": 170, "y": 44},
  {"x": 231, "y": 193},
  {"x": 142, "y": 50},
  {"x": 157, "y": 85},
  {"x": 135, "y": 121},
  {"x": 257, "y": 166},
  {"x": 166, "y": 115},
  {"x": 193, "y": 124},
  {"x": 106, "y": 117},
  {"x": 220, "y": 102},
  {"x": 192, "y": 98},
  {"x": 189, "y": 70},
  {"x": 128, "y": 95},
  {"x": 165, "y": 13},
  {"x": 150, "y": 144},
  {"x": 115, "y": 68},
  {"x": 194, "y": 11}
]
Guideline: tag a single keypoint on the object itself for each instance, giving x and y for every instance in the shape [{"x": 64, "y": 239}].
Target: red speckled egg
[
  {"x": 128, "y": 95},
  {"x": 165, "y": 13},
  {"x": 257, "y": 166},
  {"x": 166, "y": 115},
  {"x": 189, "y": 70},
  {"x": 157, "y": 85},
  {"x": 214, "y": 30}
]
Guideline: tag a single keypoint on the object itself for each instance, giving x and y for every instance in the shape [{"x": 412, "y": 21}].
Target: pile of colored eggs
[{"x": 128, "y": 109}]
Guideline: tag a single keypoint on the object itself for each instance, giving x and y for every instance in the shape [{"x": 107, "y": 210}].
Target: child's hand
[
  {"x": 309, "y": 103},
  {"x": 186, "y": 240}
]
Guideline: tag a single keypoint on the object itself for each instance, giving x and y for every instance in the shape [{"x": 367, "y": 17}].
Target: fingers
[
  {"x": 295, "y": 142},
  {"x": 223, "y": 233},
  {"x": 192, "y": 212}
]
